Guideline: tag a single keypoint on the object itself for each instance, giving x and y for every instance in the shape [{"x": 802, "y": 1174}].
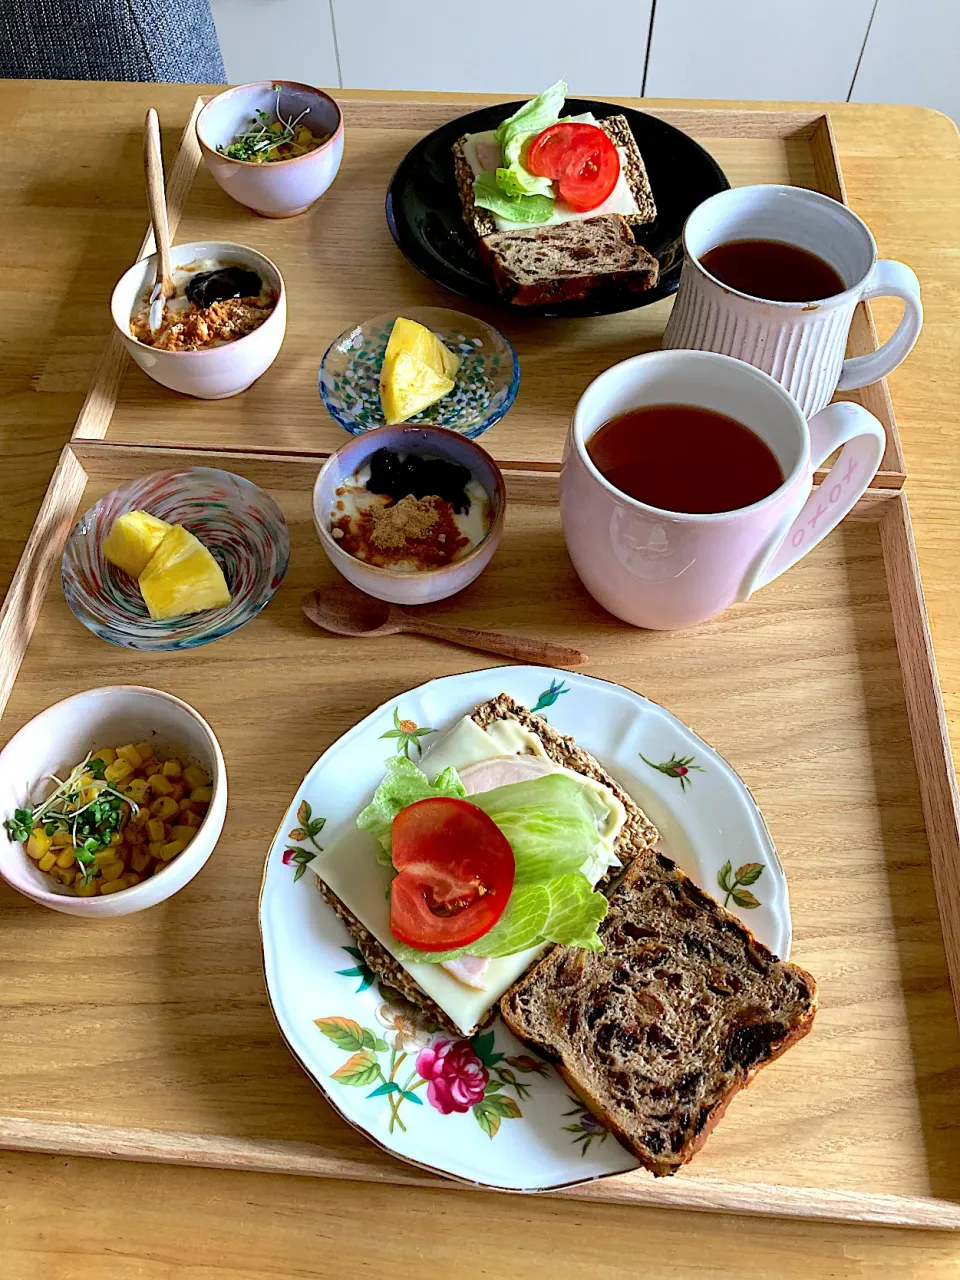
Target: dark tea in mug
[
  {"x": 772, "y": 269},
  {"x": 680, "y": 457}
]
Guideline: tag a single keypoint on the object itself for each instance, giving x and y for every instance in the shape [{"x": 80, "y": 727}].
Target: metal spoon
[
  {"x": 348, "y": 612},
  {"x": 157, "y": 201}
]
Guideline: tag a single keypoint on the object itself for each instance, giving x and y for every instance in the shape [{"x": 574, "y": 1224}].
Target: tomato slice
[
  {"x": 455, "y": 874},
  {"x": 581, "y": 158}
]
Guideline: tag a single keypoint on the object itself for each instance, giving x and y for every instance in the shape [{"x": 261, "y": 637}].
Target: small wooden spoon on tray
[{"x": 348, "y": 612}]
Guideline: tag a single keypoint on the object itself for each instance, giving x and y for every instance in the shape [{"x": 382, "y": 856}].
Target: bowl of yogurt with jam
[{"x": 410, "y": 514}]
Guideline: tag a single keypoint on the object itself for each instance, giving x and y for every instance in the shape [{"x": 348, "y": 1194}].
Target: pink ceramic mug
[{"x": 665, "y": 569}]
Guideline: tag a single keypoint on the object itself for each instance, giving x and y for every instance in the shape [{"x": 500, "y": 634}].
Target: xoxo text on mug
[
  {"x": 801, "y": 344},
  {"x": 668, "y": 569}
]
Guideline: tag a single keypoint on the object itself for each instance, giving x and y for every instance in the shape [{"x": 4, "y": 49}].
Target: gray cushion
[{"x": 146, "y": 40}]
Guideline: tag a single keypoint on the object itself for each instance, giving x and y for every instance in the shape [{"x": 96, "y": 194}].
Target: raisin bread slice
[
  {"x": 657, "y": 1032},
  {"x": 569, "y": 260}
]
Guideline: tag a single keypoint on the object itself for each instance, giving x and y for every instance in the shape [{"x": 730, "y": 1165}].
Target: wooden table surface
[{"x": 72, "y": 214}]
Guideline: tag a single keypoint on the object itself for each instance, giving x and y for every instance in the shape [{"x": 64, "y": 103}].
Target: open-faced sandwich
[
  {"x": 511, "y": 872},
  {"x": 555, "y": 201}
]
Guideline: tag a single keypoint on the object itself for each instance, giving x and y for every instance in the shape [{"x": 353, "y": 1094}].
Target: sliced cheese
[
  {"x": 350, "y": 867},
  {"x": 482, "y": 153}
]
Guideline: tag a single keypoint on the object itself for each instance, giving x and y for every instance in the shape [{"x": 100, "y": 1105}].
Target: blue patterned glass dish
[
  {"x": 238, "y": 523},
  {"x": 486, "y": 383}
]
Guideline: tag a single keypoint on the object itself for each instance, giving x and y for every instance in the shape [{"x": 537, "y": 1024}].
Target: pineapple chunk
[
  {"x": 182, "y": 577},
  {"x": 408, "y": 385},
  {"x": 133, "y": 539},
  {"x": 408, "y": 335}
]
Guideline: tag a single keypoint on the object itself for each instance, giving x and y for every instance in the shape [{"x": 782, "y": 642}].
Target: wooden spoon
[
  {"x": 157, "y": 201},
  {"x": 348, "y": 612}
]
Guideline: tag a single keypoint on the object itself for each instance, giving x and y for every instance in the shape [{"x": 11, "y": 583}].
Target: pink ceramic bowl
[
  {"x": 425, "y": 586},
  {"x": 281, "y": 188}
]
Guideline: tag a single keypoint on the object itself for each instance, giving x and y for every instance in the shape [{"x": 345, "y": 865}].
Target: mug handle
[
  {"x": 863, "y": 442},
  {"x": 888, "y": 279}
]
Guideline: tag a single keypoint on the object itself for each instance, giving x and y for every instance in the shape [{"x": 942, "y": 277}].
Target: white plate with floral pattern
[{"x": 487, "y": 1110}]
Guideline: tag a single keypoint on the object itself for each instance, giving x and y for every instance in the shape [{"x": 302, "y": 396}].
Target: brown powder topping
[
  {"x": 408, "y": 520},
  {"x": 417, "y": 532},
  {"x": 196, "y": 328}
]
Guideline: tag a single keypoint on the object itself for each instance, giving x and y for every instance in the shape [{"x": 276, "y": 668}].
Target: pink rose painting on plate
[
  {"x": 456, "y": 1078},
  {"x": 460, "y": 1077}
]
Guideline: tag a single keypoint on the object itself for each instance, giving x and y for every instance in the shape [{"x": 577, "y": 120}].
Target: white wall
[
  {"x": 756, "y": 48},
  {"x": 912, "y": 54},
  {"x": 828, "y": 50}
]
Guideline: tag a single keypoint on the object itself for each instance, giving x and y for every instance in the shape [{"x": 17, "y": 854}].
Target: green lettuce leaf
[
  {"x": 403, "y": 784},
  {"x": 518, "y": 181},
  {"x": 487, "y": 194},
  {"x": 550, "y": 822},
  {"x": 533, "y": 117}
]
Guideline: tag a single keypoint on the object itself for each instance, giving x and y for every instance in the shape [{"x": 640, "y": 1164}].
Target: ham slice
[
  {"x": 501, "y": 771},
  {"x": 469, "y": 970}
]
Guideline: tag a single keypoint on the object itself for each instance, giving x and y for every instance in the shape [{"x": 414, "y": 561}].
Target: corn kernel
[
  {"x": 117, "y": 771},
  {"x": 190, "y": 819},
  {"x": 159, "y": 785},
  {"x": 201, "y": 795},
  {"x": 172, "y": 769},
  {"x": 145, "y": 751},
  {"x": 106, "y": 754},
  {"x": 112, "y": 871},
  {"x": 66, "y": 858},
  {"x": 130, "y": 878},
  {"x": 137, "y": 790},
  {"x": 104, "y": 857},
  {"x": 164, "y": 807},
  {"x": 38, "y": 843},
  {"x": 178, "y": 792},
  {"x": 140, "y": 860},
  {"x": 115, "y": 838},
  {"x": 61, "y": 840},
  {"x": 87, "y": 890},
  {"x": 140, "y": 818},
  {"x": 154, "y": 847},
  {"x": 135, "y": 834},
  {"x": 47, "y": 862},
  {"x": 65, "y": 875},
  {"x": 112, "y": 886},
  {"x": 185, "y": 834},
  {"x": 131, "y": 755},
  {"x": 168, "y": 851},
  {"x": 194, "y": 777},
  {"x": 155, "y": 830}
]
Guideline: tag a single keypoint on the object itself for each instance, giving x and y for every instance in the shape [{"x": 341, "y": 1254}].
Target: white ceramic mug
[
  {"x": 801, "y": 344},
  {"x": 665, "y": 569}
]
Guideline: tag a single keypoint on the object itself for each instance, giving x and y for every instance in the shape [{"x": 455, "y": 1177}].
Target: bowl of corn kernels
[{"x": 110, "y": 801}]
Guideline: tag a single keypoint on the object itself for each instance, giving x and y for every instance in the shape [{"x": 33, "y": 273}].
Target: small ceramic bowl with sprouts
[
  {"x": 47, "y": 751},
  {"x": 274, "y": 146}
]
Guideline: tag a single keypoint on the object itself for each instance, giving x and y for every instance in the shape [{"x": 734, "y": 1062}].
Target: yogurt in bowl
[
  {"x": 238, "y": 345},
  {"x": 410, "y": 514}
]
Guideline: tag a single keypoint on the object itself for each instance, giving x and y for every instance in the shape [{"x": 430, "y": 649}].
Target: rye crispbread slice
[
  {"x": 658, "y": 1032},
  {"x": 637, "y": 836},
  {"x": 617, "y": 128}
]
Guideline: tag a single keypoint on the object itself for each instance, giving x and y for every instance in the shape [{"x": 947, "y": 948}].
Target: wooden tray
[
  {"x": 341, "y": 267},
  {"x": 149, "y": 1037}
]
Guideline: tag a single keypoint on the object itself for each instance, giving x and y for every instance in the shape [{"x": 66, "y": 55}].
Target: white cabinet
[
  {"x": 501, "y": 46},
  {"x": 789, "y": 49},
  {"x": 290, "y": 39},
  {"x": 912, "y": 55}
]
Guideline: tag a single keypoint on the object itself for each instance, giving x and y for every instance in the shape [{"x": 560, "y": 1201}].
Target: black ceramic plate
[{"x": 424, "y": 210}]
